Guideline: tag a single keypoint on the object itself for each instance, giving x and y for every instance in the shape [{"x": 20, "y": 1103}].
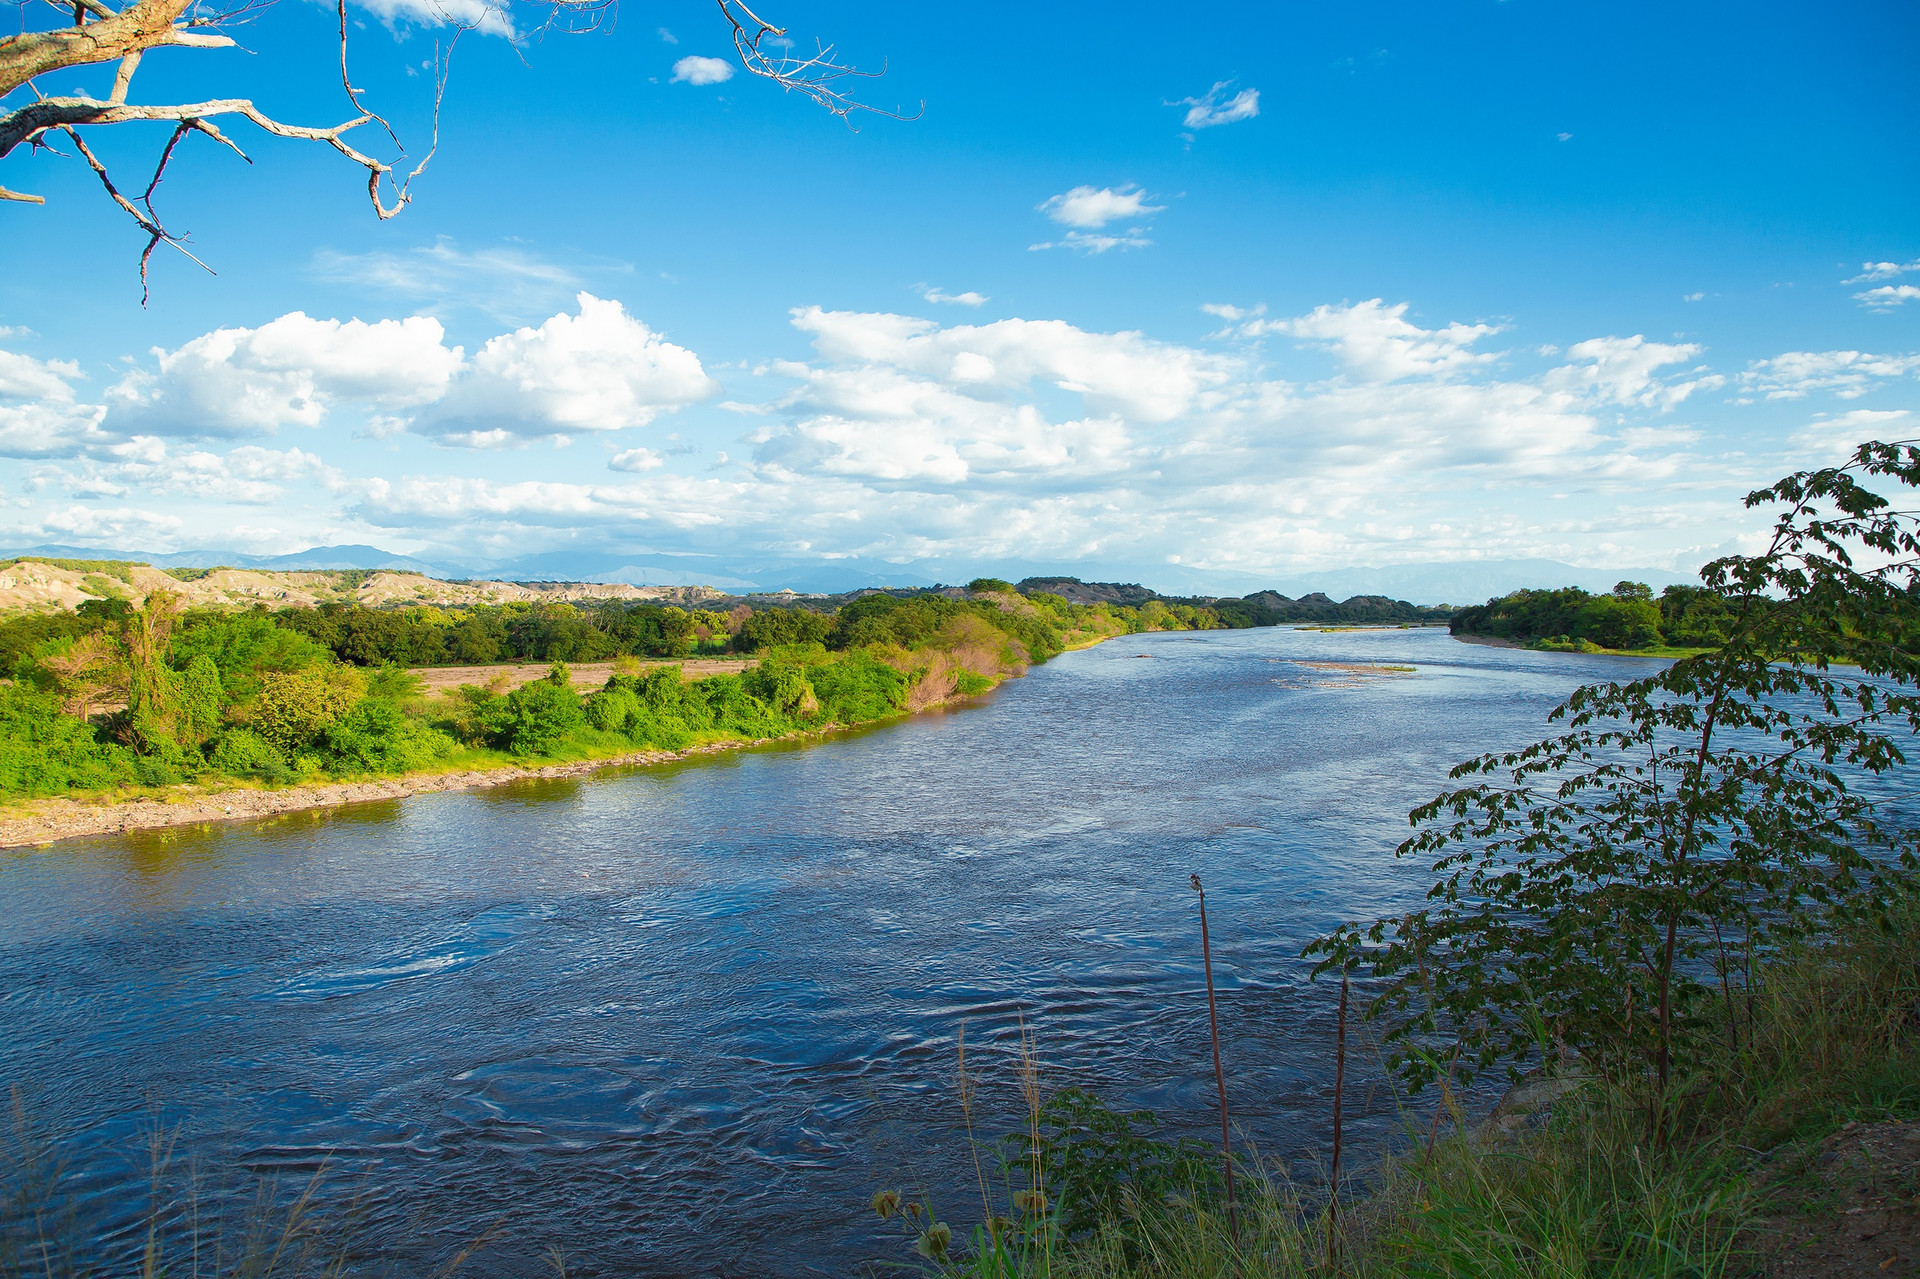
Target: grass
[{"x": 1829, "y": 1037}]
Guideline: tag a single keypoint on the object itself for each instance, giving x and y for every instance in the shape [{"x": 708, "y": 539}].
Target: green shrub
[
  {"x": 542, "y": 715},
  {"x": 773, "y": 626},
  {"x": 294, "y": 706},
  {"x": 858, "y": 687},
  {"x": 197, "y": 698},
  {"x": 970, "y": 683},
  {"x": 43, "y": 752},
  {"x": 376, "y": 736},
  {"x": 241, "y": 752},
  {"x": 611, "y": 709}
]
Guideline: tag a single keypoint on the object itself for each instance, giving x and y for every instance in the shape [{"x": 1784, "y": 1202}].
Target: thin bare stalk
[
  {"x": 1219, "y": 1076},
  {"x": 1339, "y": 1091}
]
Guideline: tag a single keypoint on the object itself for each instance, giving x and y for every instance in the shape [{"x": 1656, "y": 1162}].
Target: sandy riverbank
[{"x": 46, "y": 821}]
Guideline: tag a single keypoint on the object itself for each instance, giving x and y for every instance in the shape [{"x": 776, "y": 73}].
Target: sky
[{"x": 1220, "y": 294}]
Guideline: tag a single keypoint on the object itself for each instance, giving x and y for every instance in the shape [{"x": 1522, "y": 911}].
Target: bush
[
  {"x": 43, "y": 752},
  {"x": 542, "y": 715},
  {"x": 774, "y": 626},
  {"x": 857, "y": 688},
  {"x": 376, "y": 736},
  {"x": 197, "y": 696},
  {"x": 241, "y": 752},
  {"x": 294, "y": 706}
]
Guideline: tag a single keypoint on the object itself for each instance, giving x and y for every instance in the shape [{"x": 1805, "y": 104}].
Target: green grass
[{"x": 1831, "y": 1036}]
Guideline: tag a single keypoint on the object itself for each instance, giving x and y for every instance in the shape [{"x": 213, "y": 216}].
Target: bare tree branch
[
  {"x": 125, "y": 35},
  {"x": 816, "y": 77}
]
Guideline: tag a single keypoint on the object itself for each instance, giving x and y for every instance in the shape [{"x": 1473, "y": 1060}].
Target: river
[{"x": 685, "y": 1020}]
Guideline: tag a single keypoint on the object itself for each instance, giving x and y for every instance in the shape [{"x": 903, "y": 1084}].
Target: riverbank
[
  {"x": 1662, "y": 651},
  {"x": 42, "y": 822}
]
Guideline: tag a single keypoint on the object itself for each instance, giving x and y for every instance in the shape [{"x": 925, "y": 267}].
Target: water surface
[{"x": 685, "y": 1020}]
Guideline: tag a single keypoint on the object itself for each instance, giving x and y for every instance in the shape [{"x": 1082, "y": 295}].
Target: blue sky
[{"x": 1432, "y": 281}]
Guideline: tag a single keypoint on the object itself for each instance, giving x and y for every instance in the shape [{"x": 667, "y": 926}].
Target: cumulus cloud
[
  {"x": 248, "y": 475},
  {"x": 1219, "y": 106},
  {"x": 1378, "y": 343},
  {"x": 1888, "y": 296},
  {"x": 901, "y": 437},
  {"x": 696, "y": 70},
  {"x": 941, "y": 296},
  {"x": 40, "y": 416},
  {"x": 289, "y": 372},
  {"x": 1090, "y": 208},
  {"x": 636, "y": 460},
  {"x": 1617, "y": 370},
  {"x": 1847, "y": 374},
  {"x": 599, "y": 370},
  {"x": 1125, "y": 373}
]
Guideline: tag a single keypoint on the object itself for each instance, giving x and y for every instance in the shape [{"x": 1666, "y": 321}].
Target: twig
[
  {"x": 1339, "y": 1089},
  {"x": 1219, "y": 1076}
]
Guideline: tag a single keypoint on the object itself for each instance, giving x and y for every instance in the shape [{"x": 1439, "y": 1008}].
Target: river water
[{"x": 685, "y": 1021}]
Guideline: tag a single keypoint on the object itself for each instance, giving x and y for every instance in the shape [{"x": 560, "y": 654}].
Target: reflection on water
[{"x": 684, "y": 1020}]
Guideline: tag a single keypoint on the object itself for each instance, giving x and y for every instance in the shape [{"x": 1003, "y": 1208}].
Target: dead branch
[
  {"x": 817, "y": 78},
  {"x": 125, "y": 35}
]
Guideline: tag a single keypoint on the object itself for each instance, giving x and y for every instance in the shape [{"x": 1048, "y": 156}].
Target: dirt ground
[
  {"x": 1867, "y": 1220},
  {"x": 443, "y": 679}
]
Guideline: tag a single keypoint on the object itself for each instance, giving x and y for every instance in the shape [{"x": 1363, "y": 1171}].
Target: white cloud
[
  {"x": 289, "y": 372},
  {"x": 667, "y": 37},
  {"x": 1038, "y": 440},
  {"x": 123, "y": 527},
  {"x": 1618, "y": 370},
  {"x": 1378, "y": 343},
  {"x": 1882, "y": 271},
  {"x": 636, "y": 460},
  {"x": 1848, "y": 374},
  {"x": 1124, "y": 373},
  {"x": 600, "y": 370},
  {"x": 1094, "y": 242},
  {"x": 484, "y": 16},
  {"x": 1833, "y": 439},
  {"x": 939, "y": 296},
  {"x": 696, "y": 70},
  {"x": 505, "y": 281},
  {"x": 1216, "y": 108},
  {"x": 39, "y": 413},
  {"x": 1093, "y": 207},
  {"x": 1888, "y": 296}
]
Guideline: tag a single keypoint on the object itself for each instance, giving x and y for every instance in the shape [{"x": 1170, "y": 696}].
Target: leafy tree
[
  {"x": 1603, "y": 888},
  {"x": 773, "y": 626},
  {"x": 295, "y": 706},
  {"x": 45, "y": 752},
  {"x": 542, "y": 715}
]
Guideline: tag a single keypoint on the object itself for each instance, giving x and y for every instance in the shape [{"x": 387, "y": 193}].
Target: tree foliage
[{"x": 1600, "y": 889}]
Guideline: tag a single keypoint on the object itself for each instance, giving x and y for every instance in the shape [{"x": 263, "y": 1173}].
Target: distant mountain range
[{"x": 1449, "y": 582}]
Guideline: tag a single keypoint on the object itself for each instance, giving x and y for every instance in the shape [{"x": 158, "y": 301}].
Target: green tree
[
  {"x": 542, "y": 715},
  {"x": 1604, "y": 887},
  {"x": 294, "y": 706}
]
